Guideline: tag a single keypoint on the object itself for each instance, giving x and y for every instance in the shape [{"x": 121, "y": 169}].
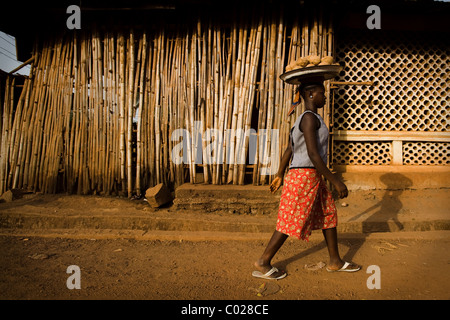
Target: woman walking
[{"x": 306, "y": 204}]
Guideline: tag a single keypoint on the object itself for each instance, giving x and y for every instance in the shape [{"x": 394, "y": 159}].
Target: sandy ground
[
  {"x": 412, "y": 265},
  {"x": 36, "y": 268}
]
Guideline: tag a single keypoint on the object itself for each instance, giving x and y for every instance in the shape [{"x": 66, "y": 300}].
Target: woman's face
[{"x": 319, "y": 98}]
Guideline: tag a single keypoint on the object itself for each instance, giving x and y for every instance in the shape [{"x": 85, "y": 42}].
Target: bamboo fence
[{"x": 97, "y": 113}]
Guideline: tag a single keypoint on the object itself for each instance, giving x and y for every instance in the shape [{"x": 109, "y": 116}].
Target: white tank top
[{"x": 300, "y": 158}]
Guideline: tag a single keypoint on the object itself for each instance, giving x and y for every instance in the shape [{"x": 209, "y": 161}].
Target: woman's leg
[
  {"x": 330, "y": 236},
  {"x": 275, "y": 243},
  {"x": 336, "y": 262}
]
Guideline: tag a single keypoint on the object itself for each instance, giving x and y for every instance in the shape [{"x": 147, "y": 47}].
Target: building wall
[
  {"x": 97, "y": 115},
  {"x": 401, "y": 122},
  {"x": 109, "y": 111}
]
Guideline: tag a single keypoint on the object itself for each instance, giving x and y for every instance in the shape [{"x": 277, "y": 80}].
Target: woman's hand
[
  {"x": 341, "y": 189},
  {"x": 276, "y": 183}
]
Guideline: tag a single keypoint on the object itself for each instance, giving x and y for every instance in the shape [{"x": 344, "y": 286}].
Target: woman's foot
[
  {"x": 343, "y": 266},
  {"x": 266, "y": 271}
]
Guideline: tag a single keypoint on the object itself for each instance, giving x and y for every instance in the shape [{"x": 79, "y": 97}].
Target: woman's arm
[
  {"x": 309, "y": 127},
  {"x": 285, "y": 159}
]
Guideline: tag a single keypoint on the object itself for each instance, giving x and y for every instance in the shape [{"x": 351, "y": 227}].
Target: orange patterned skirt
[{"x": 306, "y": 204}]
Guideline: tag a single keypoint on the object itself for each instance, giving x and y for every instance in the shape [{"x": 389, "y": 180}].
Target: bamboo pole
[
  {"x": 166, "y": 111},
  {"x": 69, "y": 170},
  {"x": 121, "y": 75},
  {"x": 100, "y": 121},
  {"x": 130, "y": 114},
  {"x": 262, "y": 110},
  {"x": 237, "y": 81},
  {"x": 191, "y": 104},
  {"x": 203, "y": 105},
  {"x": 251, "y": 94},
  {"x": 17, "y": 137},
  {"x": 139, "y": 115},
  {"x": 18, "y": 180},
  {"x": 240, "y": 104},
  {"x": 157, "y": 110},
  {"x": 278, "y": 88},
  {"x": 35, "y": 134},
  {"x": 271, "y": 89},
  {"x": 22, "y": 65},
  {"x": 106, "y": 123},
  {"x": 5, "y": 136},
  {"x": 83, "y": 178},
  {"x": 227, "y": 107},
  {"x": 240, "y": 142}
]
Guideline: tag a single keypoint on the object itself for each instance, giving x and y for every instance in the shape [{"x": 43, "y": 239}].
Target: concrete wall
[{"x": 394, "y": 177}]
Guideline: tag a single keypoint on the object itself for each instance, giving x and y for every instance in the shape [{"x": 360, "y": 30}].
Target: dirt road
[{"x": 33, "y": 267}]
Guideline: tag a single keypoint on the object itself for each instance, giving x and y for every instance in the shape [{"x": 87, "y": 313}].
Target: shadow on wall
[
  {"x": 388, "y": 207},
  {"x": 383, "y": 215}
]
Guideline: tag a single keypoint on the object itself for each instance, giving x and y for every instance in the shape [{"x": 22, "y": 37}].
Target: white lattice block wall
[
  {"x": 426, "y": 153},
  {"x": 362, "y": 153},
  {"x": 410, "y": 72}
]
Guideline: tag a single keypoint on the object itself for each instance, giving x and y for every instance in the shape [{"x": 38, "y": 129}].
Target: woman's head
[{"x": 313, "y": 93}]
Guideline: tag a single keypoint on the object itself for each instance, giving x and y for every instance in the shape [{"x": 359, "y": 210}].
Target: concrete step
[
  {"x": 247, "y": 199},
  {"x": 239, "y": 209}
]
